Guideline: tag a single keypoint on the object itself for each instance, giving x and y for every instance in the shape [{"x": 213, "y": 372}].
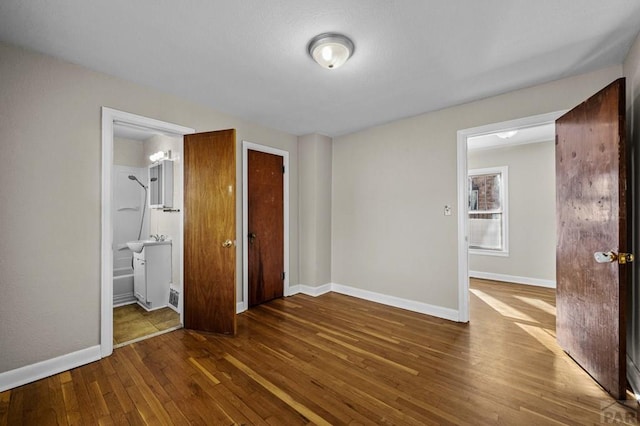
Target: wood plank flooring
[
  {"x": 335, "y": 359},
  {"x": 132, "y": 322}
]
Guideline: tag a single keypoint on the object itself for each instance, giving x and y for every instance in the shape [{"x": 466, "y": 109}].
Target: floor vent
[{"x": 173, "y": 298}]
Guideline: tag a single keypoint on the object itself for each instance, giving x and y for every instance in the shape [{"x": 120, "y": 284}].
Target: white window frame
[{"x": 504, "y": 202}]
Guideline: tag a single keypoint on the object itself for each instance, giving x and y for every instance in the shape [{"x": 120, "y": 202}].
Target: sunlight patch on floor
[
  {"x": 501, "y": 307},
  {"x": 539, "y": 304},
  {"x": 542, "y": 335}
]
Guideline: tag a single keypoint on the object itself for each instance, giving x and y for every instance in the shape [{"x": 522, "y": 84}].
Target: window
[{"x": 488, "y": 211}]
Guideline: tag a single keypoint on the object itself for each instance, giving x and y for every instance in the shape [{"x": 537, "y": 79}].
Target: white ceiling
[
  {"x": 525, "y": 135},
  {"x": 248, "y": 58}
]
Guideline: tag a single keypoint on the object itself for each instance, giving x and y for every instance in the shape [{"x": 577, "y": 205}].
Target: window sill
[{"x": 489, "y": 252}]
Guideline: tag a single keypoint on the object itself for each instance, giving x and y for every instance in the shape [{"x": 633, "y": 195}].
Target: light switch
[{"x": 447, "y": 210}]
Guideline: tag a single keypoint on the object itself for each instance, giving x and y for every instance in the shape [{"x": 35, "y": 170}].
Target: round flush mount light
[
  {"x": 330, "y": 50},
  {"x": 507, "y": 135}
]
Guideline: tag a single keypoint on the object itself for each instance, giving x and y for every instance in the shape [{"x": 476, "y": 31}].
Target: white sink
[{"x": 137, "y": 246}]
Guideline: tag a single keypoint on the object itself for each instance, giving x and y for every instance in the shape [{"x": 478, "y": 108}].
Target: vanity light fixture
[
  {"x": 331, "y": 50},
  {"x": 507, "y": 135},
  {"x": 160, "y": 155}
]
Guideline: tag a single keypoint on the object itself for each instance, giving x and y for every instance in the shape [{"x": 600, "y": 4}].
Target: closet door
[{"x": 209, "y": 231}]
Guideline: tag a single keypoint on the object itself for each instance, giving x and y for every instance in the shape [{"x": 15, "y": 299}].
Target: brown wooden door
[
  {"x": 209, "y": 231},
  {"x": 265, "y": 238},
  {"x": 592, "y": 210}
]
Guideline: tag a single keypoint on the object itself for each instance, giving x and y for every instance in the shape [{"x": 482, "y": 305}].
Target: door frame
[
  {"x": 109, "y": 118},
  {"x": 246, "y": 146},
  {"x": 463, "y": 196}
]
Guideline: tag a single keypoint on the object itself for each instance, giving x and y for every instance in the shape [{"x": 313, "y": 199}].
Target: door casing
[
  {"x": 463, "y": 249},
  {"x": 246, "y": 146},
  {"x": 109, "y": 117}
]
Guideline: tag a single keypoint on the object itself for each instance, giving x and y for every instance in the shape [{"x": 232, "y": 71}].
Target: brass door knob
[
  {"x": 227, "y": 244},
  {"x": 611, "y": 256}
]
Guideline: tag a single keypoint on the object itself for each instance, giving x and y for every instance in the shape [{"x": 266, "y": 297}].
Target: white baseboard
[
  {"x": 513, "y": 279},
  {"x": 309, "y": 290},
  {"x": 397, "y": 302},
  {"x": 315, "y": 291},
  {"x": 293, "y": 289},
  {"x": 31, "y": 373},
  {"x": 410, "y": 305}
]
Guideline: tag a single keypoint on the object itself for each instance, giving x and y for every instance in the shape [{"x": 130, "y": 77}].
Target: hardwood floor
[
  {"x": 335, "y": 359},
  {"x": 131, "y": 322}
]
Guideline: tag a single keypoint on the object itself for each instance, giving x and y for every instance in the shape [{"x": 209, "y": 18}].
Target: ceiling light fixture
[
  {"x": 506, "y": 135},
  {"x": 160, "y": 155},
  {"x": 330, "y": 50}
]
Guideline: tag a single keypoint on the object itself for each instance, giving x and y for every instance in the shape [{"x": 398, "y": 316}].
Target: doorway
[
  {"x": 463, "y": 196},
  {"x": 112, "y": 119},
  {"x": 137, "y": 316},
  {"x": 271, "y": 158}
]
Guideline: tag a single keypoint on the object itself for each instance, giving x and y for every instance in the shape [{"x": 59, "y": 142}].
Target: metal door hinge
[
  {"x": 283, "y": 275},
  {"x": 282, "y": 169}
]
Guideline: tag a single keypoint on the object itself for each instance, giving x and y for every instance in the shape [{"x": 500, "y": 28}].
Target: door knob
[
  {"x": 611, "y": 256},
  {"x": 252, "y": 236},
  {"x": 227, "y": 244}
]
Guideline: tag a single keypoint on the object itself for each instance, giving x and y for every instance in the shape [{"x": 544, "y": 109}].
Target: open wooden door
[
  {"x": 593, "y": 209},
  {"x": 265, "y": 239},
  {"x": 209, "y": 231}
]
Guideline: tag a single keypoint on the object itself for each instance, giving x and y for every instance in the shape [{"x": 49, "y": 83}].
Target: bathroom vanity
[{"x": 152, "y": 274}]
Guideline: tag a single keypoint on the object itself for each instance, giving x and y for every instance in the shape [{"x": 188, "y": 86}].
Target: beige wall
[
  {"x": 50, "y": 170},
  {"x": 391, "y": 183},
  {"x": 531, "y": 211},
  {"x": 314, "y": 159}
]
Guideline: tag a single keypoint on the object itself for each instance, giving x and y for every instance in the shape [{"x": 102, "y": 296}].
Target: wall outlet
[{"x": 447, "y": 210}]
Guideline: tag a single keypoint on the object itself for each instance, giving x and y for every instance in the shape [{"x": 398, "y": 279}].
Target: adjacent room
[{"x": 342, "y": 212}]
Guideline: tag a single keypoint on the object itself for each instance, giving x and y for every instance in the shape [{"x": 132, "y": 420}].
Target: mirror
[{"x": 161, "y": 184}]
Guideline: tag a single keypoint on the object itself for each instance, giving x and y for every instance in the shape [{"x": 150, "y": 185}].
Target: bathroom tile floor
[{"x": 132, "y": 322}]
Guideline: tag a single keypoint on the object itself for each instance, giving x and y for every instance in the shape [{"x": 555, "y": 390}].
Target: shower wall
[{"x": 128, "y": 202}]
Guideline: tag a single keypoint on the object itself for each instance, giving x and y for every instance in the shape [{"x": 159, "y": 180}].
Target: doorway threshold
[{"x": 148, "y": 336}]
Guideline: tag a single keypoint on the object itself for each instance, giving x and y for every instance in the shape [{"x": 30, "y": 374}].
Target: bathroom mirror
[{"x": 161, "y": 184}]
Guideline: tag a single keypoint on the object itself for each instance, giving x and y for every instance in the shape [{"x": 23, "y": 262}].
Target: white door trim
[
  {"x": 463, "y": 250},
  {"x": 109, "y": 117},
  {"x": 246, "y": 146}
]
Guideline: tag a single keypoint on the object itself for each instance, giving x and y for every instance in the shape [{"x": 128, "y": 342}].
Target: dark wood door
[
  {"x": 209, "y": 231},
  {"x": 592, "y": 210},
  {"x": 265, "y": 238}
]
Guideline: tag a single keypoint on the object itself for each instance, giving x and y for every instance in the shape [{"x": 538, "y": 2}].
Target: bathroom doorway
[
  {"x": 139, "y": 312},
  {"x": 132, "y": 311}
]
